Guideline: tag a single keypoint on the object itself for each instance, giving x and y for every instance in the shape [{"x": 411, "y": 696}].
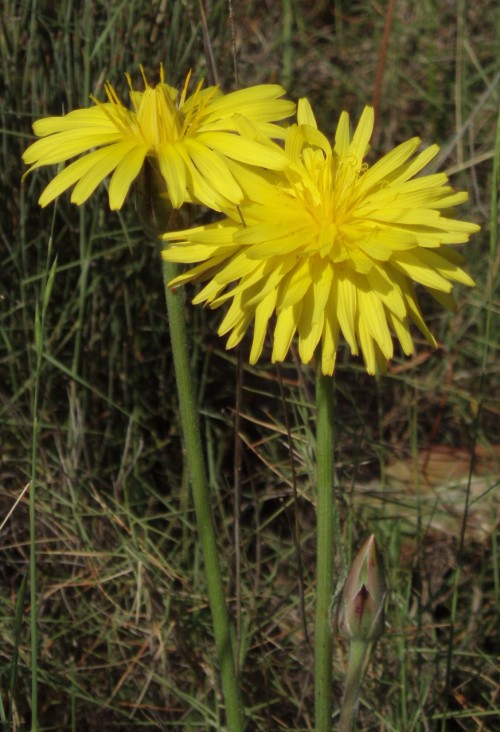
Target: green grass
[{"x": 88, "y": 408}]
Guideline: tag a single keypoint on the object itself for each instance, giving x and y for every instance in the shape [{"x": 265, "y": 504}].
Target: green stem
[
  {"x": 324, "y": 551},
  {"x": 202, "y": 503},
  {"x": 32, "y": 524},
  {"x": 357, "y": 654},
  {"x": 39, "y": 333}
]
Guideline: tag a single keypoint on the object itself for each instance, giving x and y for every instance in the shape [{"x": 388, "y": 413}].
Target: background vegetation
[{"x": 88, "y": 403}]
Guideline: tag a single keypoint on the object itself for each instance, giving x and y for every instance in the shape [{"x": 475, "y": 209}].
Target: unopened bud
[{"x": 361, "y": 608}]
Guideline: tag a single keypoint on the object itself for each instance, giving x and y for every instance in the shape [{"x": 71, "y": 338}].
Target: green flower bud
[{"x": 361, "y": 608}]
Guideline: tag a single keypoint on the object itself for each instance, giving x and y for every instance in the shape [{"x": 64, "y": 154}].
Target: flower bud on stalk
[
  {"x": 361, "y": 621},
  {"x": 361, "y": 609}
]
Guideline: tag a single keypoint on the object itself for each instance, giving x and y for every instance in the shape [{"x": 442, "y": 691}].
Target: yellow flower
[
  {"x": 330, "y": 246},
  {"x": 190, "y": 137}
]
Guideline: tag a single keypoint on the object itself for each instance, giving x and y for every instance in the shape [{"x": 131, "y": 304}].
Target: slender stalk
[
  {"x": 357, "y": 653},
  {"x": 39, "y": 331},
  {"x": 324, "y": 551},
  {"x": 202, "y": 503},
  {"x": 32, "y": 524}
]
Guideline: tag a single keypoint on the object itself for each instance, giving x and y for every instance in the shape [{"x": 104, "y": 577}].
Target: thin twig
[
  {"x": 212, "y": 75},
  {"x": 382, "y": 55},
  {"x": 238, "y": 454},
  {"x": 296, "y": 524}
]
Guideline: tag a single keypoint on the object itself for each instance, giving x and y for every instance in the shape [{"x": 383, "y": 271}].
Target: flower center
[
  {"x": 329, "y": 195},
  {"x": 163, "y": 115}
]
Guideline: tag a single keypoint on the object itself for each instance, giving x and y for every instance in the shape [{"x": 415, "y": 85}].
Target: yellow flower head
[
  {"x": 191, "y": 138},
  {"x": 330, "y": 246}
]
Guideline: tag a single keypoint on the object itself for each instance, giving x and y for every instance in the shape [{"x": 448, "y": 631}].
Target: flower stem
[
  {"x": 357, "y": 653},
  {"x": 324, "y": 551},
  {"x": 202, "y": 503},
  {"x": 32, "y": 524}
]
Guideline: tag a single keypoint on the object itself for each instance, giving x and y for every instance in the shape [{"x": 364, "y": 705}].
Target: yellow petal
[
  {"x": 271, "y": 240},
  {"x": 387, "y": 164},
  {"x": 331, "y": 332},
  {"x": 263, "y": 312},
  {"x": 294, "y": 287},
  {"x": 367, "y": 347},
  {"x": 286, "y": 326},
  {"x": 372, "y": 313},
  {"x": 305, "y": 115},
  {"x": 124, "y": 175},
  {"x": 234, "y": 315},
  {"x": 260, "y": 102},
  {"x": 199, "y": 272},
  {"x": 342, "y": 135},
  {"x": 173, "y": 170},
  {"x": 79, "y": 168},
  {"x": 401, "y": 329},
  {"x": 322, "y": 277},
  {"x": 385, "y": 286},
  {"x": 244, "y": 150},
  {"x": 213, "y": 168},
  {"x": 430, "y": 269},
  {"x": 416, "y": 165},
  {"x": 346, "y": 308},
  {"x": 239, "y": 329},
  {"x": 64, "y": 145},
  {"x": 220, "y": 233},
  {"x": 361, "y": 138},
  {"x": 415, "y": 314},
  {"x": 309, "y": 331},
  {"x": 93, "y": 117}
]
